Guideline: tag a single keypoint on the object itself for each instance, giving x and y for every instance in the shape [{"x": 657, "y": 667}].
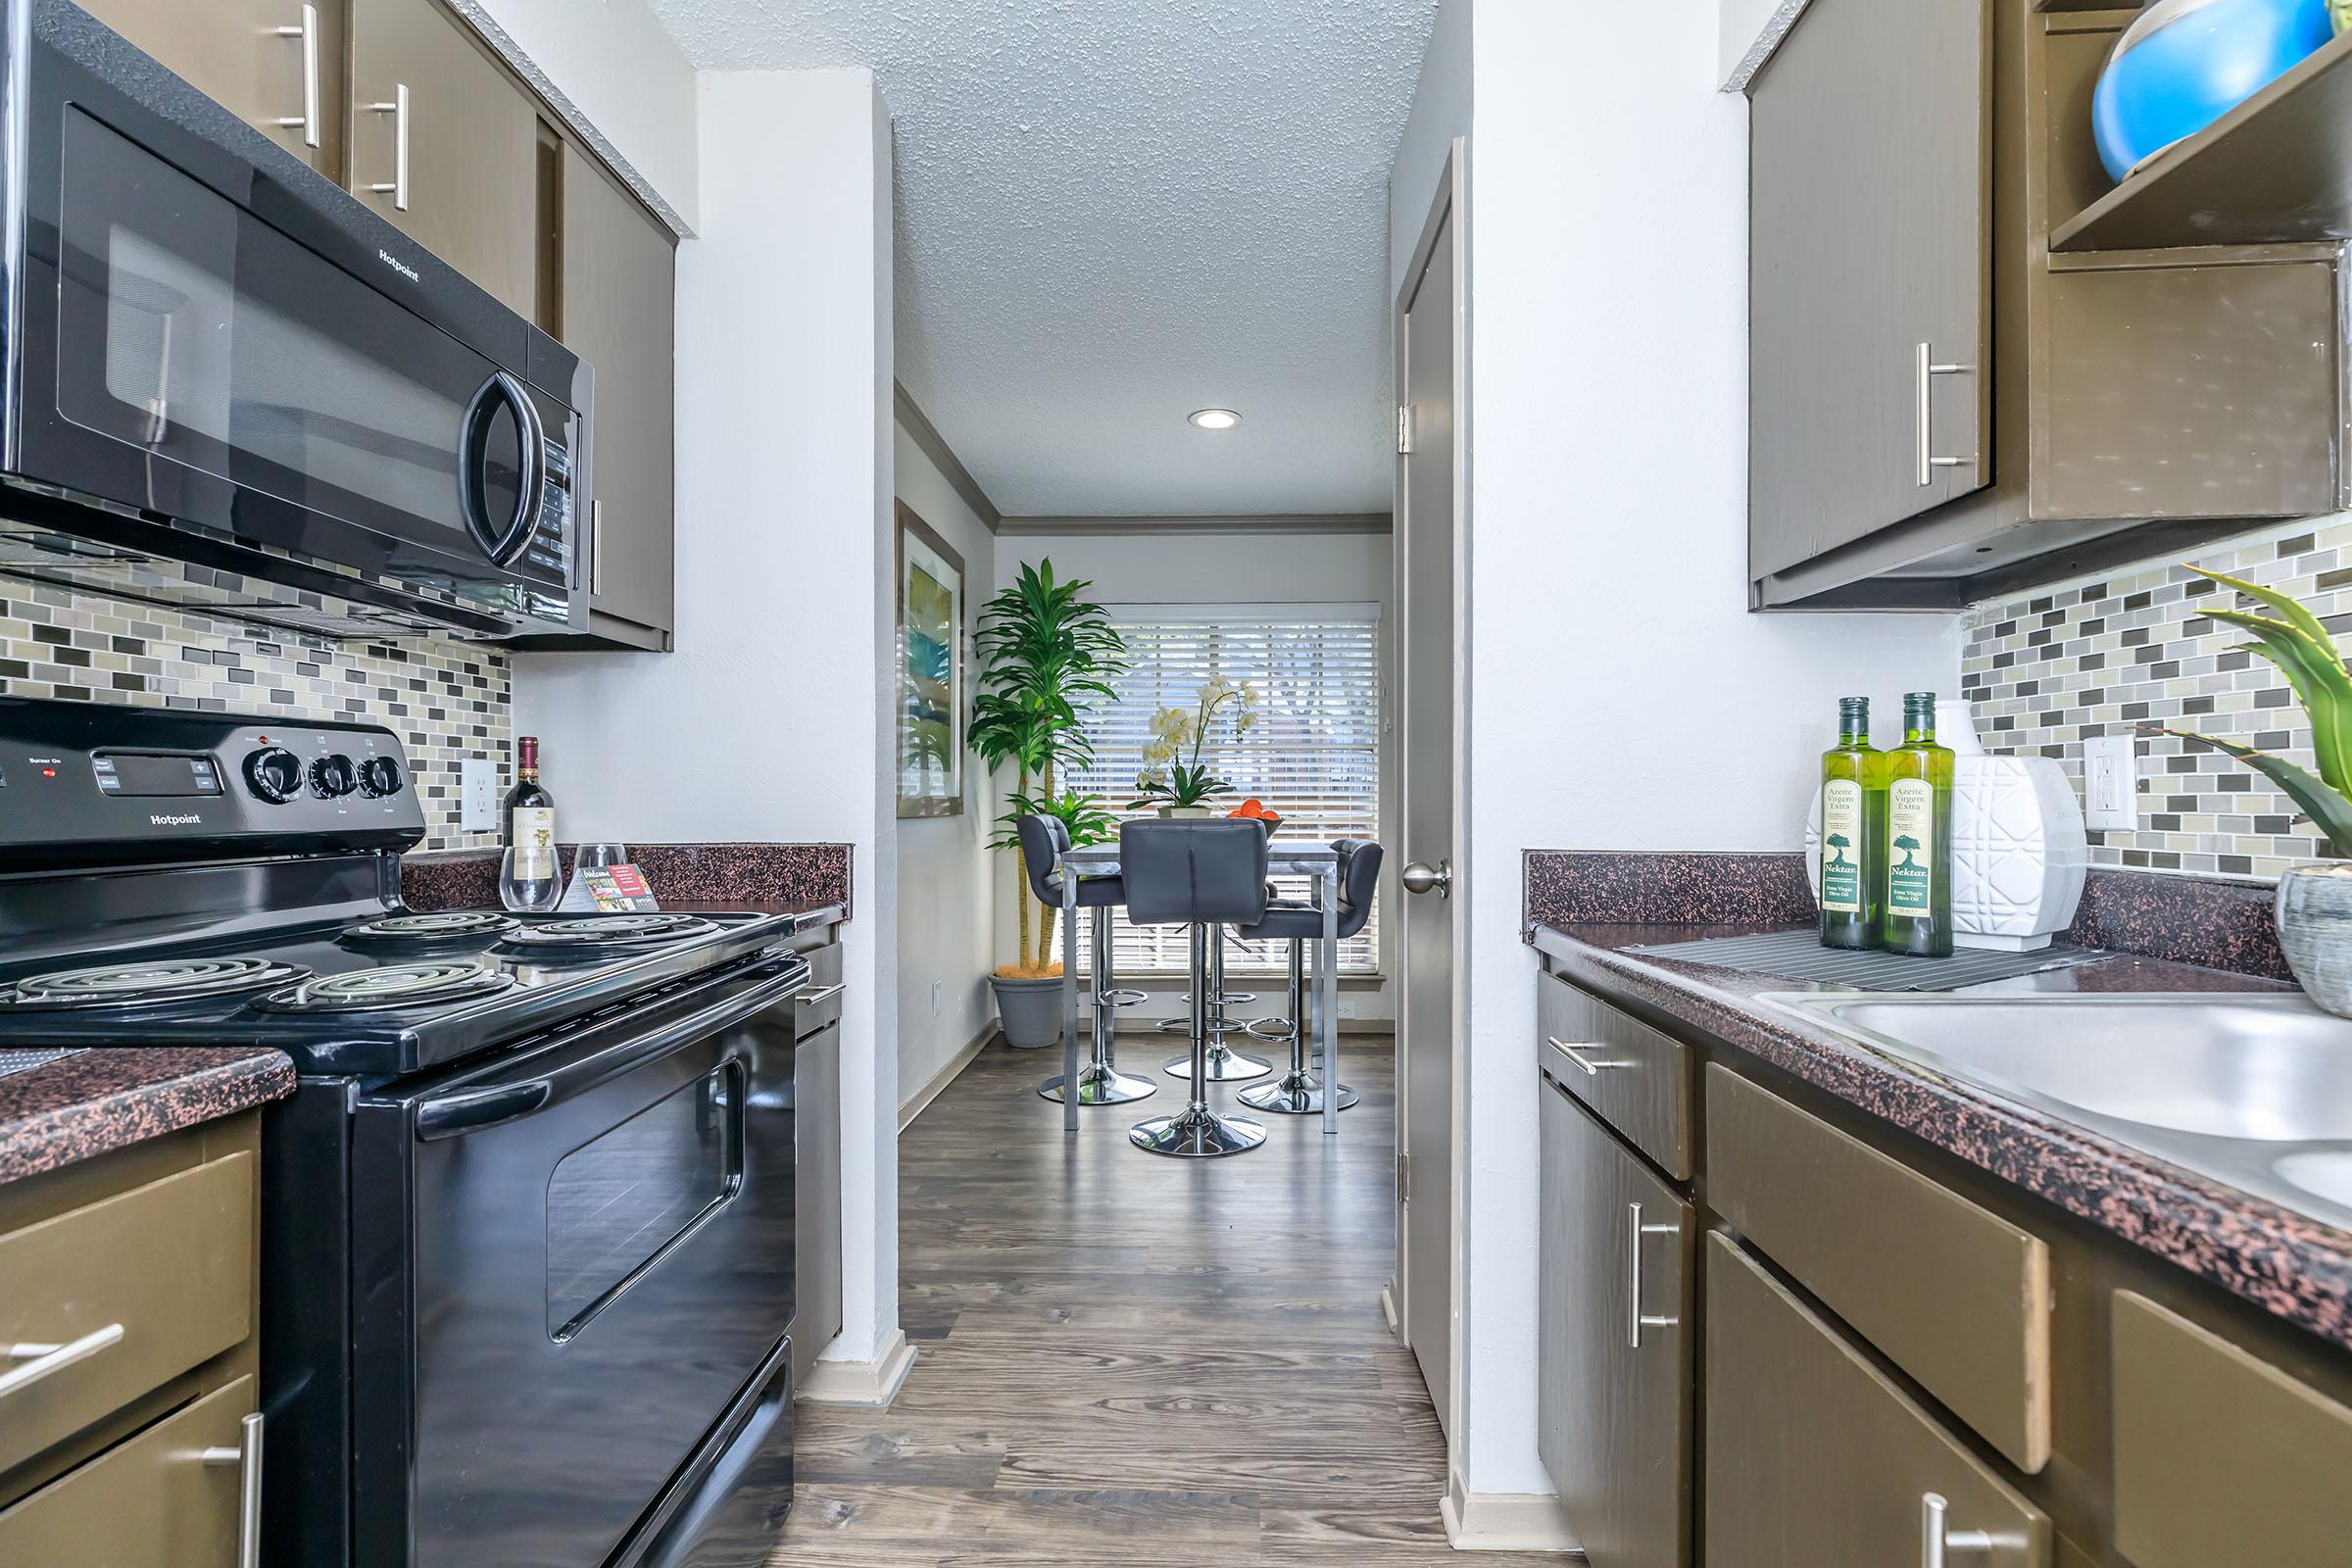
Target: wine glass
[
  {"x": 600, "y": 856},
  {"x": 530, "y": 881}
]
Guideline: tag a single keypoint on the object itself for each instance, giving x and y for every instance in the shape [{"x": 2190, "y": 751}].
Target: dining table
[{"x": 1318, "y": 862}]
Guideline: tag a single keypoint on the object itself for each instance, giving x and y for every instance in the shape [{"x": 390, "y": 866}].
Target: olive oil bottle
[
  {"x": 1853, "y": 831},
  {"x": 1917, "y": 916}
]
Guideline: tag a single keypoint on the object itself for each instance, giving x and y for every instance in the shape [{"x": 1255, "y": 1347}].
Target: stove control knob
[
  {"x": 380, "y": 776},
  {"x": 332, "y": 776},
  {"x": 273, "y": 773}
]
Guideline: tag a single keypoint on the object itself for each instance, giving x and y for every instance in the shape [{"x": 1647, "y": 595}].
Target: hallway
[{"x": 1124, "y": 1356}]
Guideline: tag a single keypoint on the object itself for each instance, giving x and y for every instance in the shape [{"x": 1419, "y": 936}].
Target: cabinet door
[
  {"x": 817, "y": 1275},
  {"x": 1614, "y": 1358},
  {"x": 254, "y": 59},
  {"x": 154, "y": 1500},
  {"x": 619, "y": 314},
  {"x": 1868, "y": 239},
  {"x": 467, "y": 186},
  {"x": 1814, "y": 1457}
]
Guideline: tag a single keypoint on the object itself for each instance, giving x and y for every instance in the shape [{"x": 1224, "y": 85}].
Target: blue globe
[{"x": 2183, "y": 64}]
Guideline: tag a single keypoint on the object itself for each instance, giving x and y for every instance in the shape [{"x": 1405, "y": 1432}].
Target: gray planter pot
[
  {"x": 1030, "y": 1010},
  {"x": 2314, "y": 928}
]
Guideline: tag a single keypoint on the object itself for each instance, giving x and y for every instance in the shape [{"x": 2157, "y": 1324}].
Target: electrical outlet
[
  {"x": 938, "y": 988},
  {"x": 2110, "y": 782},
  {"x": 477, "y": 793}
]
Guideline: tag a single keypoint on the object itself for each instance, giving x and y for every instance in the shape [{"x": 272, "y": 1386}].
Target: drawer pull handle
[
  {"x": 397, "y": 188},
  {"x": 1635, "y": 1319},
  {"x": 1590, "y": 1068},
  {"x": 810, "y": 999},
  {"x": 1929, "y": 370},
  {"x": 1934, "y": 1540},
  {"x": 42, "y": 1359},
  {"x": 247, "y": 1457}
]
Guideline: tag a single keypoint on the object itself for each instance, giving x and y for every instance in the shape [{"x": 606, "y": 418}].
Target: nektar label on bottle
[
  {"x": 1910, "y": 846},
  {"x": 1842, "y": 847}
]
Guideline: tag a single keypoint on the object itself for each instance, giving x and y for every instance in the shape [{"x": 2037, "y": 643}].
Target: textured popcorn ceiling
[{"x": 1114, "y": 212}]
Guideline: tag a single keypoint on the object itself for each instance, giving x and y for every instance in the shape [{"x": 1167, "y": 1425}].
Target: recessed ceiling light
[{"x": 1215, "y": 418}]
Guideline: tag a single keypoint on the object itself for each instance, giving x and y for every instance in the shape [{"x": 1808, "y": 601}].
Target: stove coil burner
[
  {"x": 145, "y": 985},
  {"x": 477, "y": 925},
  {"x": 394, "y": 985},
  {"x": 604, "y": 931}
]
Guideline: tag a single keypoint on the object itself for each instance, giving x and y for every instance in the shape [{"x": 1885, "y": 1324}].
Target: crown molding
[
  {"x": 935, "y": 447},
  {"x": 1331, "y": 523}
]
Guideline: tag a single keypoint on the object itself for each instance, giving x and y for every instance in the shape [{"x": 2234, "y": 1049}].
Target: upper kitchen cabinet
[
  {"x": 277, "y": 63},
  {"x": 618, "y": 313},
  {"x": 445, "y": 143},
  {"x": 2118, "y": 393},
  {"x": 1869, "y": 348}
]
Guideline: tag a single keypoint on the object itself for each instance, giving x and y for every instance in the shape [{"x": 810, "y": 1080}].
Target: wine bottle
[
  {"x": 1853, "y": 831},
  {"x": 530, "y": 811},
  {"x": 1918, "y": 915}
]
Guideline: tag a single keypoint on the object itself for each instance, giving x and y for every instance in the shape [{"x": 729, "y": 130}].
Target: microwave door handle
[{"x": 471, "y": 1110}]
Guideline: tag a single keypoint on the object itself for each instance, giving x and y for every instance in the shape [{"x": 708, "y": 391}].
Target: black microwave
[{"x": 230, "y": 385}]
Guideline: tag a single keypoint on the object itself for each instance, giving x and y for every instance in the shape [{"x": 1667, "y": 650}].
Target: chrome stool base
[
  {"x": 1293, "y": 1094},
  {"x": 1224, "y": 1066},
  {"x": 1098, "y": 1085},
  {"x": 1196, "y": 1132}
]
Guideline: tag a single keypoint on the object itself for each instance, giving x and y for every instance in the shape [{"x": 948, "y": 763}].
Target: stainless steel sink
[{"x": 2253, "y": 1091}]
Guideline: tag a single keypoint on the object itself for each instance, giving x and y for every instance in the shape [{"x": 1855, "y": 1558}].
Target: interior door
[
  {"x": 277, "y": 64},
  {"x": 1428, "y": 337}
]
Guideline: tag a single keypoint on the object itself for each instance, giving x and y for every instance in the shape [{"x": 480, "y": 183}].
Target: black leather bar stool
[
  {"x": 1043, "y": 839},
  {"x": 1203, "y": 874},
  {"x": 1298, "y": 1093}
]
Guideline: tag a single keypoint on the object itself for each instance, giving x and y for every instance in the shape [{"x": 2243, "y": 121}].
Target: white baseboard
[
  {"x": 1505, "y": 1521},
  {"x": 1387, "y": 1310},
  {"x": 873, "y": 1384},
  {"x": 920, "y": 1101}
]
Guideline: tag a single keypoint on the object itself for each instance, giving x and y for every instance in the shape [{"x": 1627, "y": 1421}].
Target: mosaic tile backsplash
[
  {"x": 2133, "y": 653},
  {"x": 446, "y": 699}
]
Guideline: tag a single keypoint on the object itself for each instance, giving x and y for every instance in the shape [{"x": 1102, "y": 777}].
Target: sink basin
[{"x": 2254, "y": 1091}]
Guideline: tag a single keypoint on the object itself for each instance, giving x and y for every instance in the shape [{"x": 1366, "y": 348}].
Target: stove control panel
[{"x": 96, "y": 783}]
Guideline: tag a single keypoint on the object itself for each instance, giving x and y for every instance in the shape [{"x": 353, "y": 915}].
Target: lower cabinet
[
  {"x": 1814, "y": 1457},
  {"x": 1614, "y": 1358},
  {"x": 169, "y": 1498}
]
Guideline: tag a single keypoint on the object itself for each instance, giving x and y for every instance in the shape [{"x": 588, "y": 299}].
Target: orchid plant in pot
[
  {"x": 1175, "y": 779},
  {"x": 2315, "y": 900},
  {"x": 1048, "y": 656}
]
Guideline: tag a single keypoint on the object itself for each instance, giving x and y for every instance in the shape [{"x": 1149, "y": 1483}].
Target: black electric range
[{"x": 528, "y": 1221}]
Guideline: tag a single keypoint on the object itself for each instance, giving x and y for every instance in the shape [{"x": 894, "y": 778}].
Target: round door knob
[
  {"x": 275, "y": 775},
  {"x": 1419, "y": 876},
  {"x": 380, "y": 776}
]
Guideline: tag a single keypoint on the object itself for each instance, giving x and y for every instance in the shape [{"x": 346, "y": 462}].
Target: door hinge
[
  {"x": 1404, "y": 1178},
  {"x": 1404, "y": 430}
]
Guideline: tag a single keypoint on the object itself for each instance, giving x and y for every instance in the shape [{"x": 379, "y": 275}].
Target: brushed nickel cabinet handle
[
  {"x": 308, "y": 120},
  {"x": 595, "y": 547},
  {"x": 1589, "y": 1068},
  {"x": 40, "y": 1360},
  {"x": 1929, "y": 370},
  {"x": 247, "y": 1457},
  {"x": 810, "y": 999},
  {"x": 1935, "y": 1541},
  {"x": 398, "y": 186},
  {"x": 1635, "y": 1319}
]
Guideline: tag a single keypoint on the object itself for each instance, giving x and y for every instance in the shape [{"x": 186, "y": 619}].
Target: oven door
[
  {"x": 184, "y": 356},
  {"x": 567, "y": 1265}
]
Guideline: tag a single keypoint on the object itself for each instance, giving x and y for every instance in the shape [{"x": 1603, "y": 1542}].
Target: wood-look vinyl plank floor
[{"x": 1123, "y": 1356}]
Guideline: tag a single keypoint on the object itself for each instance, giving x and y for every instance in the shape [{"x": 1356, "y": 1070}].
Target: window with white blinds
[{"x": 1312, "y": 753}]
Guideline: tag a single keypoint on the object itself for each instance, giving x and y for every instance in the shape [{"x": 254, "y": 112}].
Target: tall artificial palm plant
[{"x": 1048, "y": 656}]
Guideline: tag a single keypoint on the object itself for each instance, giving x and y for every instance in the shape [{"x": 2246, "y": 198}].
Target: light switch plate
[
  {"x": 477, "y": 793},
  {"x": 2110, "y": 783}
]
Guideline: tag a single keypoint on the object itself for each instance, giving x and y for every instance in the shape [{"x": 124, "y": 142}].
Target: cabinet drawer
[
  {"x": 1635, "y": 1078},
  {"x": 819, "y": 1002},
  {"x": 148, "y": 1503},
  {"x": 170, "y": 1265},
  {"x": 1954, "y": 1295},
  {"x": 2220, "y": 1457},
  {"x": 1814, "y": 1458}
]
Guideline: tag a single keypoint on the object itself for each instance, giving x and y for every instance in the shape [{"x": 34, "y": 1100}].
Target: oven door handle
[{"x": 470, "y": 1111}]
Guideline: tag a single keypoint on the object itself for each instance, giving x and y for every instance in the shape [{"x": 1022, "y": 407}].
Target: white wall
[
  {"x": 1442, "y": 110},
  {"x": 947, "y": 928},
  {"x": 624, "y": 73},
  {"x": 766, "y": 723},
  {"x": 1621, "y": 695}
]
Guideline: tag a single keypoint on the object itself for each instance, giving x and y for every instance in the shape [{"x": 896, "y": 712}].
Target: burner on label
[
  {"x": 455, "y": 925},
  {"x": 610, "y": 931},
  {"x": 394, "y": 985},
  {"x": 139, "y": 985}
]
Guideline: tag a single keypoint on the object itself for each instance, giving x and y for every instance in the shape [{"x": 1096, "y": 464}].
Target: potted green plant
[
  {"x": 1046, "y": 656},
  {"x": 1174, "y": 778},
  {"x": 2314, "y": 907}
]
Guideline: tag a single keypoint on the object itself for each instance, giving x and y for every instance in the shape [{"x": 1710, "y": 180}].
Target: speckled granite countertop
[
  {"x": 2289, "y": 1264},
  {"x": 683, "y": 876},
  {"x": 94, "y": 1101}
]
